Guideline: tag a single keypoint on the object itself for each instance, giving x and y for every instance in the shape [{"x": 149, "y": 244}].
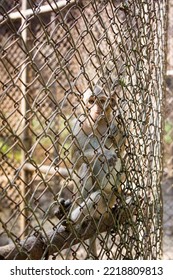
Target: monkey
[{"x": 97, "y": 153}]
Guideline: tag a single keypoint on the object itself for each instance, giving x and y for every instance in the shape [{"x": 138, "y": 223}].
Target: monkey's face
[
  {"x": 96, "y": 107},
  {"x": 99, "y": 106}
]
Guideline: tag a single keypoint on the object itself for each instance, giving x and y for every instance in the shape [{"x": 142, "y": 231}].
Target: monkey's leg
[
  {"x": 106, "y": 178},
  {"x": 91, "y": 207},
  {"x": 107, "y": 172}
]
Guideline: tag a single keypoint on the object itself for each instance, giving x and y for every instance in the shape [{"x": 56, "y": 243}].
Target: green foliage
[
  {"x": 168, "y": 133},
  {"x": 11, "y": 153}
]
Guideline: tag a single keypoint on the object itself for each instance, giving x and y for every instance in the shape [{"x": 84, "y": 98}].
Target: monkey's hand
[{"x": 64, "y": 207}]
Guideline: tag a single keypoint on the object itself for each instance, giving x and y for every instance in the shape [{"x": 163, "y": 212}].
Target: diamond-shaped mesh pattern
[{"x": 53, "y": 56}]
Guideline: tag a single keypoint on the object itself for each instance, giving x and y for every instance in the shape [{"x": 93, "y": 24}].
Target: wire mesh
[{"x": 53, "y": 55}]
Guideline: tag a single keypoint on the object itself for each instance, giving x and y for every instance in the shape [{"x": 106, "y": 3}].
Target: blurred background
[{"x": 167, "y": 185}]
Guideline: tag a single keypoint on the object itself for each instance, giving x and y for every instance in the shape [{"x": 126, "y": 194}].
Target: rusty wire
[{"x": 51, "y": 53}]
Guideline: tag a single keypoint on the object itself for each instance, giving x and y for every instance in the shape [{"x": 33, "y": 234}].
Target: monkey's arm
[
  {"x": 94, "y": 206},
  {"x": 82, "y": 151},
  {"x": 86, "y": 208}
]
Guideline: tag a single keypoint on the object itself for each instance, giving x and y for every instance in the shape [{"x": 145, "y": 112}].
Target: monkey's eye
[
  {"x": 91, "y": 101},
  {"x": 102, "y": 101},
  {"x": 113, "y": 102}
]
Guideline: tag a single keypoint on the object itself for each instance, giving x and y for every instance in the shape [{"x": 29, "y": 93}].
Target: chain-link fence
[{"x": 81, "y": 128}]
